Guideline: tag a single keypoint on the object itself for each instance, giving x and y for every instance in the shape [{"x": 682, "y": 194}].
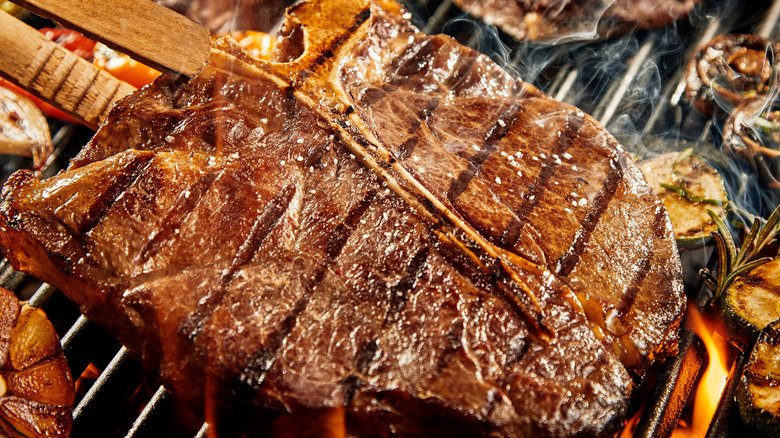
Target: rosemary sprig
[
  {"x": 766, "y": 125},
  {"x": 688, "y": 196},
  {"x": 732, "y": 263}
]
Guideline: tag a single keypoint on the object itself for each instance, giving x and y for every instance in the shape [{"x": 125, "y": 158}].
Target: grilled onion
[{"x": 23, "y": 128}]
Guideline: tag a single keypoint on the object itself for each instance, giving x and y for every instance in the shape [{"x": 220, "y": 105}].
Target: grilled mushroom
[
  {"x": 729, "y": 70},
  {"x": 753, "y": 128}
]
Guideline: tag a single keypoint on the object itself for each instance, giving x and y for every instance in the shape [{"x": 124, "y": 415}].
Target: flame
[
  {"x": 630, "y": 427},
  {"x": 709, "y": 388},
  {"x": 712, "y": 382},
  {"x": 87, "y": 378}
]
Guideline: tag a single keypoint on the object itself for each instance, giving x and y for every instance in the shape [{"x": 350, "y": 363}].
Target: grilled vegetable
[
  {"x": 758, "y": 394},
  {"x": 23, "y": 128},
  {"x": 752, "y": 302},
  {"x": 71, "y": 40},
  {"x": 753, "y": 128},
  {"x": 729, "y": 70},
  {"x": 36, "y": 386},
  {"x": 123, "y": 67},
  {"x": 743, "y": 286},
  {"x": 688, "y": 187}
]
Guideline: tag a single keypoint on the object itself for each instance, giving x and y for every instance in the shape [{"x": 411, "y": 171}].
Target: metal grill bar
[
  {"x": 155, "y": 405},
  {"x": 672, "y": 389}
]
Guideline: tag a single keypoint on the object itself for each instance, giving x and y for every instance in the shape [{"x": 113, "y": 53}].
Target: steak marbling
[{"x": 381, "y": 229}]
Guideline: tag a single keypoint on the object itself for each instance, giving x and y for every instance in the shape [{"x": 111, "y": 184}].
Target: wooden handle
[
  {"x": 55, "y": 74},
  {"x": 148, "y": 32}
]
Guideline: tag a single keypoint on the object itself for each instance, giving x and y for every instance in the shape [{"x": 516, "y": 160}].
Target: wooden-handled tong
[{"x": 146, "y": 31}]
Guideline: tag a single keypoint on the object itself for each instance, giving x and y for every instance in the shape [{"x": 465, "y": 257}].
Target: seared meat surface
[
  {"x": 575, "y": 20},
  {"x": 382, "y": 229}
]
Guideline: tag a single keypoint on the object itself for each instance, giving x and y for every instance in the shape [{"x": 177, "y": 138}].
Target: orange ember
[{"x": 713, "y": 380}]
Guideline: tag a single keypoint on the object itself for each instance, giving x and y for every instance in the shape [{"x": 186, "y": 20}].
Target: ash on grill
[{"x": 632, "y": 84}]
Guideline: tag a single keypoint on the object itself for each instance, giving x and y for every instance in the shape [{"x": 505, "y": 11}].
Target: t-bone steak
[{"x": 380, "y": 230}]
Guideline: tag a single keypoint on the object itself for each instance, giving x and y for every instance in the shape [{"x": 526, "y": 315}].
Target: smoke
[{"x": 632, "y": 83}]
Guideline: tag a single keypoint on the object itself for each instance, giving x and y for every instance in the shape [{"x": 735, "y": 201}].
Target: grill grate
[{"x": 631, "y": 84}]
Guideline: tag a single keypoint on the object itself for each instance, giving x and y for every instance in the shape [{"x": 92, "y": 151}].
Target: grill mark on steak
[
  {"x": 265, "y": 222},
  {"x": 454, "y": 336},
  {"x": 253, "y": 373},
  {"x": 398, "y": 297},
  {"x": 178, "y": 214},
  {"x": 533, "y": 195},
  {"x": 327, "y": 53},
  {"x": 569, "y": 260},
  {"x": 373, "y": 95},
  {"x": 407, "y": 148},
  {"x": 400, "y": 292},
  {"x": 263, "y": 225},
  {"x": 352, "y": 385},
  {"x": 494, "y": 278},
  {"x": 498, "y": 131},
  {"x": 406, "y": 65},
  {"x": 106, "y": 199},
  {"x": 366, "y": 355},
  {"x": 338, "y": 238},
  {"x": 643, "y": 267}
]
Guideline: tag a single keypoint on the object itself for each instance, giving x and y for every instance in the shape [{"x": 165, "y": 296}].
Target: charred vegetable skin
[
  {"x": 759, "y": 392},
  {"x": 36, "y": 386},
  {"x": 752, "y": 302},
  {"x": 729, "y": 70}
]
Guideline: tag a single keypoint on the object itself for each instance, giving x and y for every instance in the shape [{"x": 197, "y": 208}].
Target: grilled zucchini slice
[
  {"x": 687, "y": 186},
  {"x": 751, "y": 302},
  {"x": 758, "y": 394}
]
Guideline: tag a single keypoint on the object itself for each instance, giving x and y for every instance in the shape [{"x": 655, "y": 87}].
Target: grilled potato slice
[
  {"x": 751, "y": 302},
  {"x": 688, "y": 186},
  {"x": 758, "y": 395},
  {"x": 36, "y": 385}
]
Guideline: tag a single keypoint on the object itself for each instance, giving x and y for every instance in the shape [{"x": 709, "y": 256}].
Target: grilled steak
[
  {"x": 382, "y": 230},
  {"x": 575, "y": 20}
]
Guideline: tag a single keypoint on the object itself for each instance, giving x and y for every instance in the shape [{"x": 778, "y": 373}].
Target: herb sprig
[
  {"x": 732, "y": 263},
  {"x": 683, "y": 193}
]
